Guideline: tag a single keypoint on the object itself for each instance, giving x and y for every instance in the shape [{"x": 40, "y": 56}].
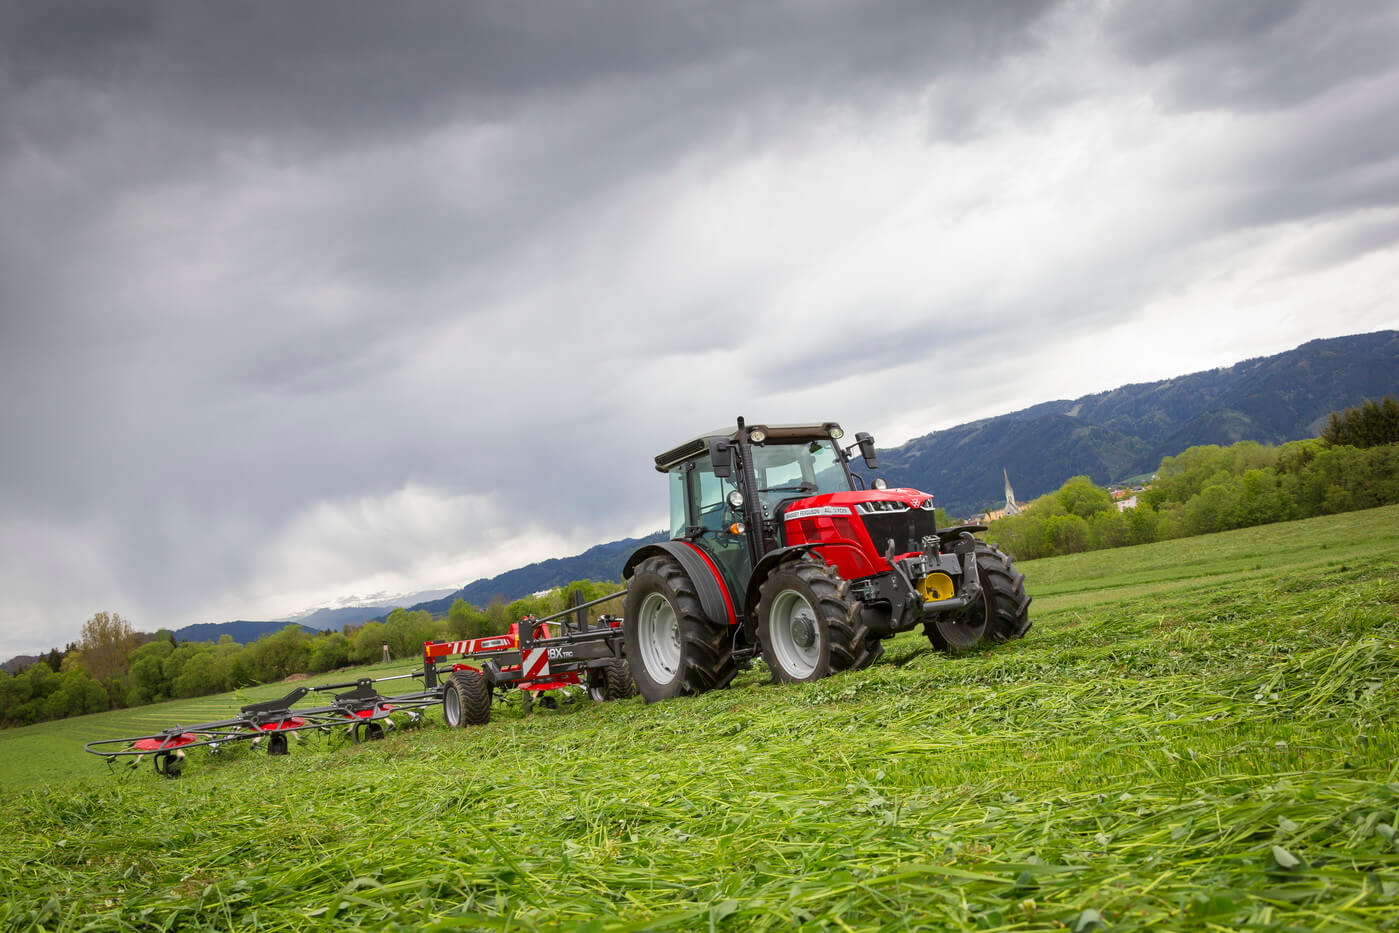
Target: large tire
[
  {"x": 809, "y": 628},
  {"x": 466, "y": 700},
  {"x": 874, "y": 617},
  {"x": 672, "y": 647},
  {"x": 1000, "y": 614},
  {"x": 1006, "y": 605},
  {"x": 611, "y": 681}
]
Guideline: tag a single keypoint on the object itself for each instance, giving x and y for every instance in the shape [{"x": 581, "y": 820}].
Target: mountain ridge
[{"x": 1125, "y": 431}]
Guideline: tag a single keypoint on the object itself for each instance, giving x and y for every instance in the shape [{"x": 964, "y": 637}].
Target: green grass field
[{"x": 1197, "y": 734}]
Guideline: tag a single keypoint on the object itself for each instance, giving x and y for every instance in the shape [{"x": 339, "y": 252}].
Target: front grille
[{"x": 907, "y": 528}]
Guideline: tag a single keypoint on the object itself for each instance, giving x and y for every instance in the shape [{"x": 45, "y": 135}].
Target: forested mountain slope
[{"x": 1126, "y": 431}]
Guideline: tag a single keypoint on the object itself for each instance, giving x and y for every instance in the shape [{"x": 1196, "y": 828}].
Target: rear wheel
[
  {"x": 672, "y": 647},
  {"x": 611, "y": 681},
  {"x": 808, "y": 627},
  {"x": 466, "y": 700}
]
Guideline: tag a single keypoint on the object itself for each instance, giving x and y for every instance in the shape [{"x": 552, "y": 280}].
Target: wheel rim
[
  {"x": 658, "y": 635},
  {"x": 967, "y": 632},
  {"x": 597, "y": 690},
  {"x": 962, "y": 635},
  {"x": 451, "y": 707},
  {"x": 788, "y": 624}
]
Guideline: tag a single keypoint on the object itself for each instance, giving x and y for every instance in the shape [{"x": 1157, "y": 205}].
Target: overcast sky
[{"x": 304, "y": 302}]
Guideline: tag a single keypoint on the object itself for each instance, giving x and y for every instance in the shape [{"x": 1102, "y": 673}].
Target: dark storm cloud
[
  {"x": 1257, "y": 53},
  {"x": 348, "y": 69}
]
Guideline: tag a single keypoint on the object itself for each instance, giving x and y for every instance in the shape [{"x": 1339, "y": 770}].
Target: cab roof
[{"x": 775, "y": 432}]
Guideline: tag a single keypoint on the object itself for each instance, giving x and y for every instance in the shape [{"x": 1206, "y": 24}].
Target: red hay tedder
[{"x": 535, "y": 656}]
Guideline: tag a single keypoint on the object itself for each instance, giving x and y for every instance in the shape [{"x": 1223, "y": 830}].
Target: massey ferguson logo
[{"x": 822, "y": 511}]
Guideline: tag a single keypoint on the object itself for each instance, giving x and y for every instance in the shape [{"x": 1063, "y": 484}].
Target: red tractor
[{"x": 777, "y": 547}]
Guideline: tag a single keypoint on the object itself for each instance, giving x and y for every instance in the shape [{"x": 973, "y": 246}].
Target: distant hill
[
  {"x": 1113, "y": 435},
  {"x": 603, "y": 562},
  {"x": 243, "y": 632},
  {"x": 336, "y": 619},
  {"x": 18, "y": 663}
]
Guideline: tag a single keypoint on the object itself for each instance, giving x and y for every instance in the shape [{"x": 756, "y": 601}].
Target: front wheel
[
  {"x": 1006, "y": 605},
  {"x": 1000, "y": 614},
  {"x": 672, "y": 647},
  {"x": 807, "y": 625}
]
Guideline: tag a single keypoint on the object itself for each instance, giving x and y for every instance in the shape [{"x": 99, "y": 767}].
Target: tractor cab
[{"x": 730, "y": 490}]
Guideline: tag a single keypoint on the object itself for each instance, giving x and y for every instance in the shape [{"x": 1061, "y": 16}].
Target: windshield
[{"x": 794, "y": 471}]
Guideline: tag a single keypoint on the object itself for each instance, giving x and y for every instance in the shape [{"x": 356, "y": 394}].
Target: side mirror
[
  {"x": 721, "y": 455},
  {"x": 866, "y": 445}
]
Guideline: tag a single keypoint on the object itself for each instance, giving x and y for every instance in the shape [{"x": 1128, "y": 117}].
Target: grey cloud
[
  {"x": 1169, "y": 28},
  {"x": 1259, "y": 54},
  {"x": 340, "y": 71}
]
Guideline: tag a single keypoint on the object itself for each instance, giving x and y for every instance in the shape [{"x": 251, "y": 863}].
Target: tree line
[
  {"x": 1354, "y": 464},
  {"x": 113, "y": 666}
]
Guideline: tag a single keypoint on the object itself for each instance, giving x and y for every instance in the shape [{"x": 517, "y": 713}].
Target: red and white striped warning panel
[
  {"x": 438, "y": 649},
  {"x": 536, "y": 662}
]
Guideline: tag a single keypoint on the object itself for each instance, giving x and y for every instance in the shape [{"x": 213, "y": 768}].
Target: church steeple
[{"x": 1012, "y": 507}]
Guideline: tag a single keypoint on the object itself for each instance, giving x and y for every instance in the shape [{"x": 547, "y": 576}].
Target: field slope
[{"x": 1197, "y": 734}]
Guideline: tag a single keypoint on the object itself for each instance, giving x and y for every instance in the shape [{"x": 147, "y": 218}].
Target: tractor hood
[
  {"x": 856, "y": 531},
  {"x": 846, "y": 502}
]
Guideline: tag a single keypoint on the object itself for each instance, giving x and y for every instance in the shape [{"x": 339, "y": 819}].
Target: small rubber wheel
[
  {"x": 169, "y": 764},
  {"x": 367, "y": 731},
  {"x": 611, "y": 681}
]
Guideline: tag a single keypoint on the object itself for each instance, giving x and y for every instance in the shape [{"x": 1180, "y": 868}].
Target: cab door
[{"x": 703, "y": 504}]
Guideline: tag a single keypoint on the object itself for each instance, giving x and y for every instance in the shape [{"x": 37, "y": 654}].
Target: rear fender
[{"x": 714, "y": 596}]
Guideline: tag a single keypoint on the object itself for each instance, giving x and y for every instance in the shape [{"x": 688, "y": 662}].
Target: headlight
[
  {"x": 879, "y": 483},
  {"x": 758, "y": 436},
  {"x": 835, "y": 432},
  {"x": 927, "y": 505},
  {"x": 735, "y": 500},
  {"x": 880, "y": 506}
]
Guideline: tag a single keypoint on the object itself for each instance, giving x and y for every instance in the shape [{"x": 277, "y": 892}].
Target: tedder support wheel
[
  {"x": 611, "y": 681},
  {"x": 808, "y": 626},
  {"x": 366, "y": 732},
  {"x": 1001, "y": 613},
  {"x": 672, "y": 647},
  {"x": 466, "y": 700},
  {"x": 169, "y": 764}
]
